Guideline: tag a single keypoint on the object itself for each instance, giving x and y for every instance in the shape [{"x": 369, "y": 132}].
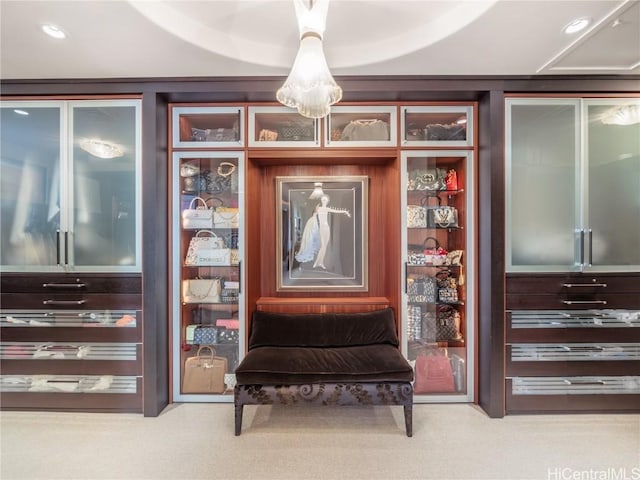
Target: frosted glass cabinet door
[
  {"x": 613, "y": 210},
  {"x": 105, "y": 180},
  {"x": 542, "y": 163},
  {"x": 30, "y": 156},
  {"x": 70, "y": 175}
]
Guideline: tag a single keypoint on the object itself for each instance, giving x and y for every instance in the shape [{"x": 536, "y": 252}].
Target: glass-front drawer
[
  {"x": 370, "y": 126},
  {"x": 583, "y": 385},
  {"x": 208, "y": 127},
  {"x": 443, "y": 126},
  {"x": 119, "y": 384},
  {"x": 69, "y": 318},
  {"x": 572, "y": 352},
  {"x": 543, "y": 319},
  {"x": 281, "y": 127},
  {"x": 68, "y": 351}
]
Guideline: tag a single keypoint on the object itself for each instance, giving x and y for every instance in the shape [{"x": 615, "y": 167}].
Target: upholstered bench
[{"x": 326, "y": 359}]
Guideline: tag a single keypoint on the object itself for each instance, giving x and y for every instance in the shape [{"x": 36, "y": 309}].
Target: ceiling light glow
[
  {"x": 20, "y": 112},
  {"x": 576, "y": 25},
  {"x": 53, "y": 31}
]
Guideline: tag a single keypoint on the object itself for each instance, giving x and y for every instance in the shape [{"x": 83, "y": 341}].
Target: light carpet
[{"x": 196, "y": 441}]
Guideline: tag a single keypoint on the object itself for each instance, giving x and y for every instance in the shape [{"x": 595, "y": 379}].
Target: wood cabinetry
[
  {"x": 71, "y": 342},
  {"x": 573, "y": 343}
]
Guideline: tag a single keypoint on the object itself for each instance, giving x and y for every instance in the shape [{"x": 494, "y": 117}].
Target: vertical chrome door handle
[{"x": 590, "y": 247}]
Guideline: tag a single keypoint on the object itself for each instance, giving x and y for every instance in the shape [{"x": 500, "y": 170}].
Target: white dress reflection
[{"x": 317, "y": 233}]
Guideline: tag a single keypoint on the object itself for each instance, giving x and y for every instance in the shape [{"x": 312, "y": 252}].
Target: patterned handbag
[
  {"x": 443, "y": 217},
  {"x": 422, "y": 289},
  {"x": 448, "y": 324},
  {"x": 447, "y": 286},
  {"x": 205, "y": 335},
  {"x": 414, "y": 322},
  {"x": 206, "y": 248},
  {"x": 429, "y": 326},
  {"x": 416, "y": 216},
  {"x": 201, "y": 290}
]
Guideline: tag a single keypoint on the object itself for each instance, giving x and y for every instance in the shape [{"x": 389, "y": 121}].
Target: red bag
[
  {"x": 452, "y": 180},
  {"x": 433, "y": 374}
]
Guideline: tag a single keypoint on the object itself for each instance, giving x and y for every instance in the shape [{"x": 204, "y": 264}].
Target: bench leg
[
  {"x": 238, "y": 410},
  {"x": 408, "y": 419}
]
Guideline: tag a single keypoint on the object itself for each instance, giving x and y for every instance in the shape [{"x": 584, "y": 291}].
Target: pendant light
[{"x": 310, "y": 87}]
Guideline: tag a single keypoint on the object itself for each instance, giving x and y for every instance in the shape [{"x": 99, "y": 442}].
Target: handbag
[
  {"x": 447, "y": 287},
  {"x": 226, "y": 217},
  {"x": 429, "y": 179},
  {"x": 416, "y": 216},
  {"x": 448, "y": 324},
  {"x": 205, "y": 335},
  {"x": 454, "y": 257},
  {"x": 442, "y": 217},
  {"x": 422, "y": 289},
  {"x": 452, "y": 180},
  {"x": 414, "y": 322},
  {"x": 434, "y": 253},
  {"x": 433, "y": 374},
  {"x": 294, "y": 133},
  {"x": 198, "y": 216},
  {"x": 207, "y": 250},
  {"x": 201, "y": 290},
  {"x": 204, "y": 373}
]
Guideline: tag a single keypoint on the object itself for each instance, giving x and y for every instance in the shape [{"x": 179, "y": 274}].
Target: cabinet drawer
[
  {"x": 71, "y": 358},
  {"x": 67, "y": 284},
  {"x": 572, "y": 284},
  {"x": 573, "y": 394},
  {"x": 600, "y": 300},
  {"x": 573, "y": 359},
  {"x": 55, "y": 301},
  {"x": 71, "y": 392}
]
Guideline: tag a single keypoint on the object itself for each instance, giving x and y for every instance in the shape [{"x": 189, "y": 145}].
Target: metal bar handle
[
  {"x": 584, "y": 302},
  {"x": 585, "y": 382},
  {"x": 582, "y": 248},
  {"x": 64, "y": 285},
  {"x": 64, "y": 302},
  {"x": 582, "y": 348},
  {"x": 590, "y": 247},
  {"x": 572, "y": 285},
  {"x": 57, "y": 247}
]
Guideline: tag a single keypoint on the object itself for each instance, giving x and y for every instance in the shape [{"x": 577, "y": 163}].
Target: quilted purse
[
  {"x": 201, "y": 290},
  {"x": 295, "y": 133},
  {"x": 226, "y": 217},
  {"x": 198, "y": 216}
]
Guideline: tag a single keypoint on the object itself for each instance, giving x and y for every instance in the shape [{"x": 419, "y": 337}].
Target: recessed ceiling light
[
  {"x": 576, "y": 25},
  {"x": 53, "y": 31},
  {"x": 20, "y": 112}
]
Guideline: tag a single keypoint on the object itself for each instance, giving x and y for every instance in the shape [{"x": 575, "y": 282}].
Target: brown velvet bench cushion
[{"x": 342, "y": 359}]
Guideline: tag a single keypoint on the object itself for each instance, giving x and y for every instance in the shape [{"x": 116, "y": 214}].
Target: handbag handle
[
  {"x": 435, "y": 240},
  {"x": 221, "y": 202},
  {"x": 205, "y": 231},
  {"x": 193, "y": 202},
  {"x": 206, "y": 347}
]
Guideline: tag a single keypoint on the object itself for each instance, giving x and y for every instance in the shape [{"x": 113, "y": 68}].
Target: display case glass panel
[
  {"x": 437, "y": 126},
  {"x": 438, "y": 247},
  {"x": 361, "y": 126},
  {"x": 208, "y": 127},
  {"x": 208, "y": 326},
  {"x": 281, "y": 127}
]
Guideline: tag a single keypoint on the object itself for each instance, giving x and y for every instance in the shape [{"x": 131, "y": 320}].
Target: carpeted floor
[{"x": 196, "y": 441}]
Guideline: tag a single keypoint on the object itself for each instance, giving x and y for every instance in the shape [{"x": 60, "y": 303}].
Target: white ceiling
[{"x": 180, "y": 38}]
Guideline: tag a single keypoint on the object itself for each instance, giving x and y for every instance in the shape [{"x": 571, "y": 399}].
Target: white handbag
[
  {"x": 197, "y": 216},
  {"x": 226, "y": 217},
  {"x": 201, "y": 290},
  {"x": 207, "y": 250}
]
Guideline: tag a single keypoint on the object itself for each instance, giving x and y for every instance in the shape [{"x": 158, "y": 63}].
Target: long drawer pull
[
  {"x": 584, "y": 302},
  {"x": 63, "y": 302},
  {"x": 572, "y": 285},
  {"x": 64, "y": 285},
  {"x": 585, "y": 382},
  {"x": 582, "y": 348}
]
